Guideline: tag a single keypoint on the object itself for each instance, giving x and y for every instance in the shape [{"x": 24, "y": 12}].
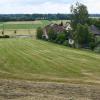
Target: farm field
[
  {"x": 31, "y": 69},
  {"x": 30, "y": 59},
  {"x": 22, "y": 24},
  {"x": 27, "y": 24},
  {"x": 24, "y": 27}
]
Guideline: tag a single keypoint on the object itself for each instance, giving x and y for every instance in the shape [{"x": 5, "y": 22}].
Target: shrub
[
  {"x": 92, "y": 45},
  {"x": 61, "y": 37},
  {"x": 66, "y": 43},
  {"x": 39, "y": 33},
  {"x": 5, "y": 36},
  {"x": 52, "y": 35}
]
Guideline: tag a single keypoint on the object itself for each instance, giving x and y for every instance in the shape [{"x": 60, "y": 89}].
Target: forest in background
[{"x": 32, "y": 17}]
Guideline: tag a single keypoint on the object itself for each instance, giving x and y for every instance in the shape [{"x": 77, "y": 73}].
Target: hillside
[{"x": 39, "y": 60}]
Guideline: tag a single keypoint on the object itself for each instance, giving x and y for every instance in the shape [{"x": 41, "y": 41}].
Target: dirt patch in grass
[{"x": 27, "y": 90}]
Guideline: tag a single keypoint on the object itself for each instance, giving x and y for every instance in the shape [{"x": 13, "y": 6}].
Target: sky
[{"x": 45, "y": 6}]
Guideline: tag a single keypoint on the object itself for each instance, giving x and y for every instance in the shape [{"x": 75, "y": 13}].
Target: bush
[
  {"x": 61, "y": 37},
  {"x": 52, "y": 35},
  {"x": 39, "y": 33},
  {"x": 66, "y": 43},
  {"x": 5, "y": 36},
  {"x": 92, "y": 45}
]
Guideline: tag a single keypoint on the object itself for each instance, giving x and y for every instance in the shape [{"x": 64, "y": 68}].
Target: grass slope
[{"x": 39, "y": 60}]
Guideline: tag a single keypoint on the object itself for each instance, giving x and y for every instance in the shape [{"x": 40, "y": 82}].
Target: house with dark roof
[
  {"x": 94, "y": 30},
  {"x": 58, "y": 29}
]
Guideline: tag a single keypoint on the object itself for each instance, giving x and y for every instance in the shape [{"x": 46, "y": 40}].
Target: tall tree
[
  {"x": 82, "y": 36},
  {"x": 79, "y": 14}
]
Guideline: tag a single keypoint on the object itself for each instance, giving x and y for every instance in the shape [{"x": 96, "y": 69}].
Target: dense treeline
[
  {"x": 30, "y": 17},
  {"x": 94, "y": 15}
]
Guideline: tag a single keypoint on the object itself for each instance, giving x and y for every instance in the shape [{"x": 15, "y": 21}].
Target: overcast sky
[{"x": 44, "y": 6}]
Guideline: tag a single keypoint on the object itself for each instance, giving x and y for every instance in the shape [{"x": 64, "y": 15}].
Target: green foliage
[
  {"x": 79, "y": 14},
  {"x": 97, "y": 23},
  {"x": 5, "y": 36},
  {"x": 32, "y": 17},
  {"x": 52, "y": 35},
  {"x": 91, "y": 21},
  {"x": 39, "y": 33},
  {"x": 67, "y": 33},
  {"x": 82, "y": 36},
  {"x": 61, "y": 37},
  {"x": 92, "y": 45},
  {"x": 92, "y": 42},
  {"x": 66, "y": 43}
]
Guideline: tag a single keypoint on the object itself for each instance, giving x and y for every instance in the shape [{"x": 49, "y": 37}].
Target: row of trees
[{"x": 30, "y": 17}]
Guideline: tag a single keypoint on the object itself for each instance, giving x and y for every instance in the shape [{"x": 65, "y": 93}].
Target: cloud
[
  {"x": 45, "y": 6},
  {"x": 93, "y": 6}
]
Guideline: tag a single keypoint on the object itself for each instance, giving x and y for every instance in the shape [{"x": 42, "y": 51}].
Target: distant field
[
  {"x": 11, "y": 33},
  {"x": 27, "y": 24},
  {"x": 39, "y": 60},
  {"x": 24, "y": 27}
]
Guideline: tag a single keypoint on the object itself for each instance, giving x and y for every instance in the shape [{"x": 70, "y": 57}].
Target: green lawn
[
  {"x": 39, "y": 60},
  {"x": 20, "y": 26},
  {"x": 24, "y": 24}
]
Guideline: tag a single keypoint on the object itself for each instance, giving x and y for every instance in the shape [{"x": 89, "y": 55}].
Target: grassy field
[
  {"x": 39, "y": 60},
  {"x": 32, "y": 69},
  {"x": 27, "y": 24},
  {"x": 24, "y": 27}
]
